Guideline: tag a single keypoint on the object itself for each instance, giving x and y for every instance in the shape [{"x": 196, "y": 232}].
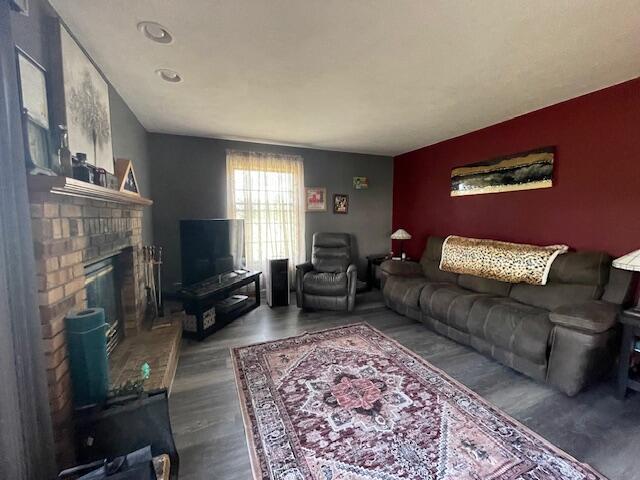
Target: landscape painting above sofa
[{"x": 521, "y": 171}]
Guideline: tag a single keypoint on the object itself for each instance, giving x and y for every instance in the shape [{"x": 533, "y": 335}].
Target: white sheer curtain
[{"x": 266, "y": 190}]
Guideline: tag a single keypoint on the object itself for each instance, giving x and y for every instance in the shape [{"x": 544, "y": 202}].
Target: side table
[
  {"x": 627, "y": 379},
  {"x": 374, "y": 261}
]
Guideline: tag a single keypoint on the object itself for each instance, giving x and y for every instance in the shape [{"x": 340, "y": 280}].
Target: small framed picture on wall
[
  {"x": 316, "y": 199},
  {"x": 340, "y": 203},
  {"x": 360, "y": 183}
]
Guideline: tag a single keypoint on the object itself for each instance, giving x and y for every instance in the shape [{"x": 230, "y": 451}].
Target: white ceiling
[{"x": 370, "y": 76}]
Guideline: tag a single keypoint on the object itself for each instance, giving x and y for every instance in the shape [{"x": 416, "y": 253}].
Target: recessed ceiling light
[
  {"x": 156, "y": 32},
  {"x": 169, "y": 75}
]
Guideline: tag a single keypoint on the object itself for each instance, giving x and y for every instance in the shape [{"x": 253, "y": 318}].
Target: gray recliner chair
[{"x": 328, "y": 282}]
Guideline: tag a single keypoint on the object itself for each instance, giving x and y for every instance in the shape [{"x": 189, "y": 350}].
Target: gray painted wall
[
  {"x": 32, "y": 34},
  {"x": 129, "y": 140},
  {"x": 188, "y": 180}
]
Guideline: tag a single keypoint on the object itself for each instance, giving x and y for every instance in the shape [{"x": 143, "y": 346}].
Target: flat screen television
[{"x": 210, "y": 248}]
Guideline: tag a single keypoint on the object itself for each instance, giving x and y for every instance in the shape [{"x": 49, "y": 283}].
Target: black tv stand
[{"x": 201, "y": 297}]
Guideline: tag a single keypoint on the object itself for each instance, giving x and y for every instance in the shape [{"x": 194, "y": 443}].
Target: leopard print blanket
[{"x": 504, "y": 261}]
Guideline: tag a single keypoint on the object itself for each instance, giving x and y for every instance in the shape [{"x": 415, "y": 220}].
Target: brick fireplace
[{"x": 76, "y": 225}]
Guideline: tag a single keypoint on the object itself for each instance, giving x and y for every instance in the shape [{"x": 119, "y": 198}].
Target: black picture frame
[
  {"x": 36, "y": 125},
  {"x": 341, "y": 203}
]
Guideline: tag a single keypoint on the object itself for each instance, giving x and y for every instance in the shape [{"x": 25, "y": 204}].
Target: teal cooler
[{"x": 87, "y": 344}]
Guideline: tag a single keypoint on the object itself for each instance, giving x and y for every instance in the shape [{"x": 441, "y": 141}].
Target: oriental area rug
[{"x": 349, "y": 403}]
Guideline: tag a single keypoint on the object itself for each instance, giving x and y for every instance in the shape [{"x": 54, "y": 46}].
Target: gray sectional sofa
[{"x": 563, "y": 333}]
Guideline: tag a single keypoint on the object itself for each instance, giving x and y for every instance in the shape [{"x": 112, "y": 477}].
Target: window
[{"x": 266, "y": 191}]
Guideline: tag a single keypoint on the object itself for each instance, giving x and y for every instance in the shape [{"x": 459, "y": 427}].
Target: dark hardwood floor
[{"x": 595, "y": 427}]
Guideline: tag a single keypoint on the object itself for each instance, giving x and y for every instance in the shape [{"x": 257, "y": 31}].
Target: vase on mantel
[{"x": 65, "y": 163}]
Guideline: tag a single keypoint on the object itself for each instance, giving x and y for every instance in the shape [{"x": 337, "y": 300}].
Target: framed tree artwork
[{"x": 86, "y": 104}]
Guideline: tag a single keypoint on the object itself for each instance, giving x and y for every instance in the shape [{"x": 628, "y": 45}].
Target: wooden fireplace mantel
[{"x": 76, "y": 188}]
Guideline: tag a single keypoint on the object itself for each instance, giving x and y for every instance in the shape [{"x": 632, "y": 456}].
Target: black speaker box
[{"x": 278, "y": 283}]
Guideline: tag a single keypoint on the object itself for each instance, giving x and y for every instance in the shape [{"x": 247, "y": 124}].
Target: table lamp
[
  {"x": 630, "y": 261},
  {"x": 401, "y": 235}
]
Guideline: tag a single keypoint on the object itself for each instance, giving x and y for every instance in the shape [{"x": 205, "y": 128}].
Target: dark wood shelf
[
  {"x": 76, "y": 188},
  {"x": 198, "y": 299},
  {"x": 227, "y": 317}
]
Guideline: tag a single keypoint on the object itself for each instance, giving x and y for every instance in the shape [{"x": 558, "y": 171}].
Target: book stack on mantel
[{"x": 70, "y": 186}]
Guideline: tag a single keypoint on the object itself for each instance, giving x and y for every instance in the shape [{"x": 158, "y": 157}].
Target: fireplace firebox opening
[{"x": 103, "y": 280}]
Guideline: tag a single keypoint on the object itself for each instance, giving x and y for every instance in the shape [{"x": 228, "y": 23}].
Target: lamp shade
[
  {"x": 630, "y": 261},
  {"x": 400, "y": 234}
]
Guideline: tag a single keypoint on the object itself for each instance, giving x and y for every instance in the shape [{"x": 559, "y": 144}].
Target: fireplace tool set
[{"x": 152, "y": 259}]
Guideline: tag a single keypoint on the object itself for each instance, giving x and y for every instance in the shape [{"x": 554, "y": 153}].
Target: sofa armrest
[
  {"x": 304, "y": 267},
  {"x": 583, "y": 344},
  {"x": 300, "y": 272},
  {"x": 401, "y": 268},
  {"x": 592, "y": 317},
  {"x": 352, "y": 280}
]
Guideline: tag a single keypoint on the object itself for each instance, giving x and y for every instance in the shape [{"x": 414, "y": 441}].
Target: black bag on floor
[
  {"x": 136, "y": 465},
  {"x": 126, "y": 424}
]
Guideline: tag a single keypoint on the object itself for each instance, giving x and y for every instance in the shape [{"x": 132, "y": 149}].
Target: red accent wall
[{"x": 595, "y": 199}]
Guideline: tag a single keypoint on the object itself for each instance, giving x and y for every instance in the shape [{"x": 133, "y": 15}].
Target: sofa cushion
[
  {"x": 574, "y": 277},
  {"x": 324, "y": 283},
  {"x": 554, "y": 295},
  {"x": 589, "y": 317},
  {"x": 484, "y": 285},
  {"x": 433, "y": 249},
  {"x": 521, "y": 329},
  {"x": 431, "y": 270},
  {"x": 404, "y": 290},
  {"x": 618, "y": 290},
  {"x": 324, "y": 302},
  {"x": 430, "y": 262},
  {"x": 448, "y": 303},
  {"x": 584, "y": 268}
]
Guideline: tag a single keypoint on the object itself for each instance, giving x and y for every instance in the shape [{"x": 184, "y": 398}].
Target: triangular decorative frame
[{"x": 127, "y": 181}]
